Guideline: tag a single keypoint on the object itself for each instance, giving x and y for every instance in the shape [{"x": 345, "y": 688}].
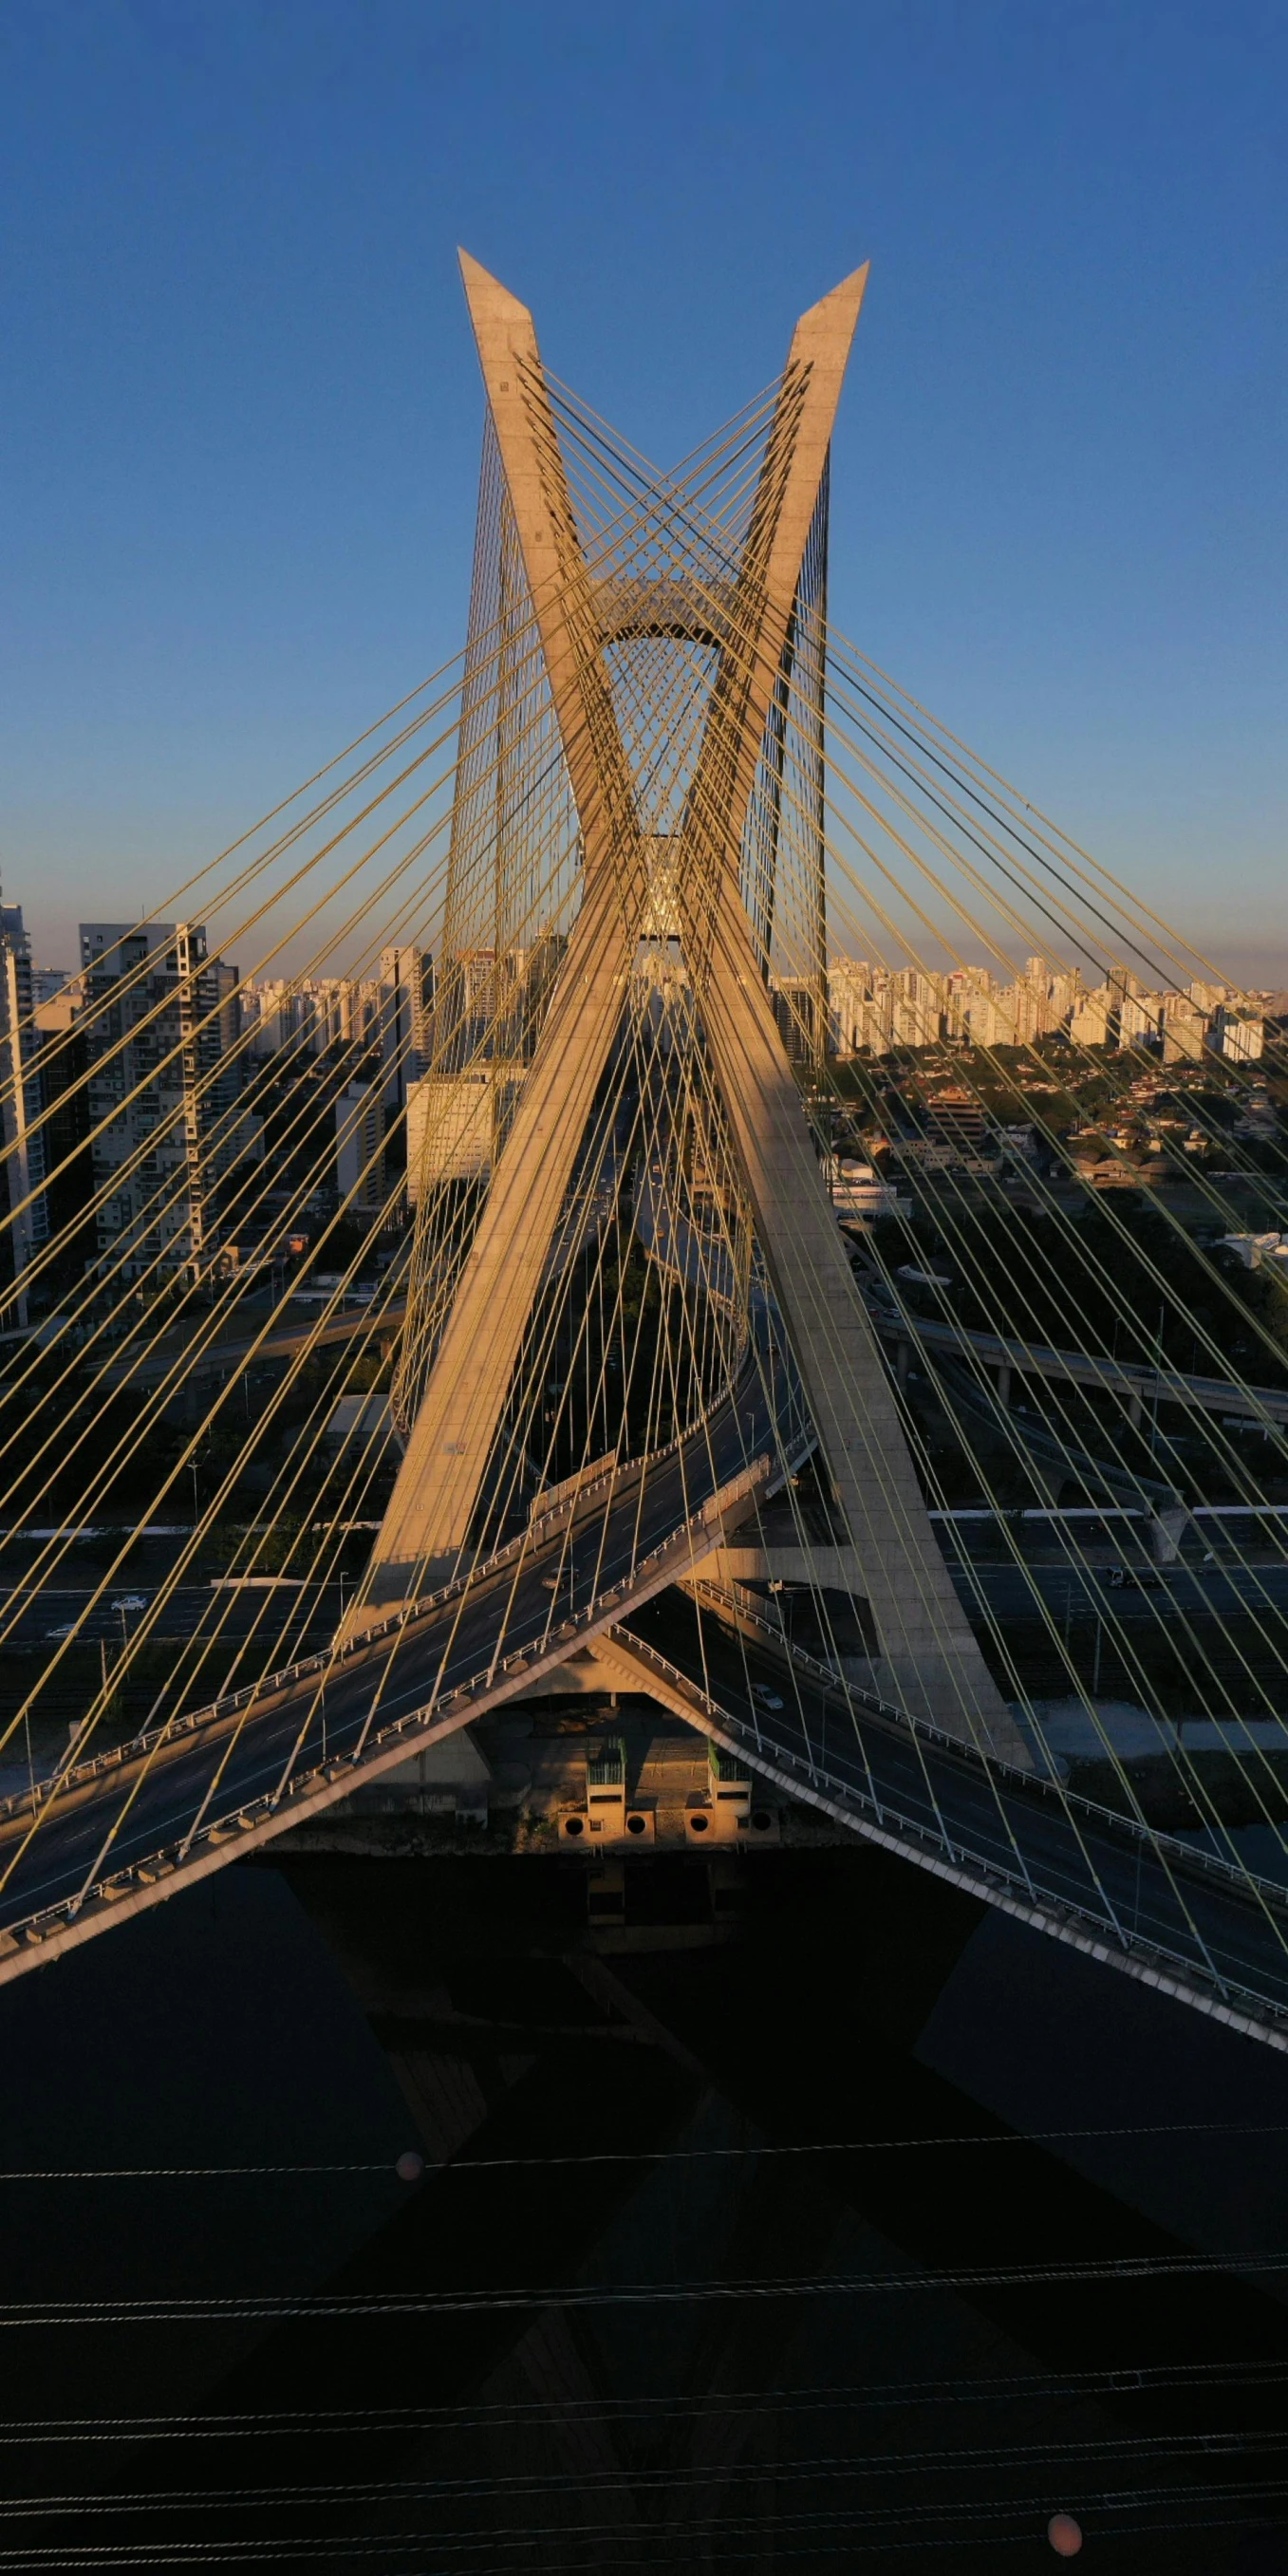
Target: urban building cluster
[
  {"x": 873, "y": 1011},
  {"x": 152, "y": 1079},
  {"x": 144, "y": 1085},
  {"x": 450, "y": 1052}
]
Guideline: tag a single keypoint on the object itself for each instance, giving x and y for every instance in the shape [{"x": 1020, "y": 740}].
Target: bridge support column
[{"x": 1166, "y": 1531}]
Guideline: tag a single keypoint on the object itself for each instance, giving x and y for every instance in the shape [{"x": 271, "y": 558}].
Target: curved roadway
[{"x": 537, "y": 1599}]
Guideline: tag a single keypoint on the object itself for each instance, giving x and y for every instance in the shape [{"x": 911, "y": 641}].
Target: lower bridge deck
[{"x": 1192, "y": 1924}]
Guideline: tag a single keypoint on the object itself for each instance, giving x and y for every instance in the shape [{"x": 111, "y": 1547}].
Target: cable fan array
[{"x": 654, "y": 1365}]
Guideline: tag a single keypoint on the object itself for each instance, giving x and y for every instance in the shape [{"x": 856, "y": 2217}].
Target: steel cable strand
[
  {"x": 301, "y": 1359},
  {"x": 255, "y": 867},
  {"x": 1231, "y": 1458},
  {"x": 846, "y": 648},
  {"x": 279, "y": 896},
  {"x": 1004, "y": 1074}
]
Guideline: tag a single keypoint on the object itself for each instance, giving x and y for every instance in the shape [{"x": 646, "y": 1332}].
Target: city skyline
[{"x": 644, "y": 1299}]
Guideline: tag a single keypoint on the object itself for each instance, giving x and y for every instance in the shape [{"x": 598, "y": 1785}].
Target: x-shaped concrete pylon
[{"x": 930, "y": 1660}]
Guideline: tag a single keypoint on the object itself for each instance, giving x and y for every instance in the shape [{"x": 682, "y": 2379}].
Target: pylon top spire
[
  {"x": 822, "y": 338},
  {"x": 500, "y": 320}
]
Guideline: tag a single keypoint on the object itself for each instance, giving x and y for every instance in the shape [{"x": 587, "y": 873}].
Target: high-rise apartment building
[
  {"x": 1140, "y": 1019},
  {"x": 1184, "y": 1030},
  {"x": 359, "y": 1147},
  {"x": 1089, "y": 1025},
  {"x": 1239, "y": 1035},
  {"x": 406, "y": 1018},
  {"x": 800, "y": 1008},
  {"x": 163, "y": 1077},
  {"x": 23, "y": 1135},
  {"x": 874, "y": 1011}
]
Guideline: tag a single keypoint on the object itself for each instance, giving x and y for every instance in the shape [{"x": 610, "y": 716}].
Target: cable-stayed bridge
[{"x": 624, "y": 1375}]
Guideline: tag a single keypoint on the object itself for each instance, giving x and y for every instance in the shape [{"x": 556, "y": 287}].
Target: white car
[
  {"x": 131, "y": 1601},
  {"x": 766, "y": 1697}
]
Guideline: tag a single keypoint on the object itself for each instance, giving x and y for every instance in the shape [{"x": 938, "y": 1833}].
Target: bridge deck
[
  {"x": 124, "y": 1830},
  {"x": 1195, "y": 1926}
]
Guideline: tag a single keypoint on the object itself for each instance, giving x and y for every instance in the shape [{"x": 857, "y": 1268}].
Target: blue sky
[{"x": 240, "y": 413}]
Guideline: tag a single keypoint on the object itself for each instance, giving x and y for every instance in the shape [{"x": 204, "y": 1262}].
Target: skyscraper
[
  {"x": 406, "y": 1014},
  {"x": 23, "y": 1135},
  {"x": 163, "y": 1075}
]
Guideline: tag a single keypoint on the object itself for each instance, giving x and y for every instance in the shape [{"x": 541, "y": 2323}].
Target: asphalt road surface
[
  {"x": 1059, "y": 1853},
  {"x": 237, "y": 1611},
  {"x": 45, "y": 1618},
  {"x": 1147, "y": 1593},
  {"x": 146, "y": 1805}
]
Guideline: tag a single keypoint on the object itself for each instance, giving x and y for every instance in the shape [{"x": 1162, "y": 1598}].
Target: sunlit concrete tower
[{"x": 677, "y": 876}]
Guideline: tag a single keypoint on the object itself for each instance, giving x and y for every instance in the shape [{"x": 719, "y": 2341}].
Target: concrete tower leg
[
  {"x": 930, "y": 1661},
  {"x": 428, "y": 1520}
]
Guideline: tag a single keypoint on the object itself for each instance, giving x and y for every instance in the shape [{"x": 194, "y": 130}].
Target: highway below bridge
[
  {"x": 1139, "y": 1388},
  {"x": 237, "y": 1610},
  {"x": 186, "y": 1356},
  {"x": 1130, "y": 1592}
]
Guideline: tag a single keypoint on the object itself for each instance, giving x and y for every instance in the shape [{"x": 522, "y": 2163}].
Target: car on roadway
[
  {"x": 766, "y": 1697},
  {"x": 131, "y": 1601},
  {"x": 1132, "y": 1578}
]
